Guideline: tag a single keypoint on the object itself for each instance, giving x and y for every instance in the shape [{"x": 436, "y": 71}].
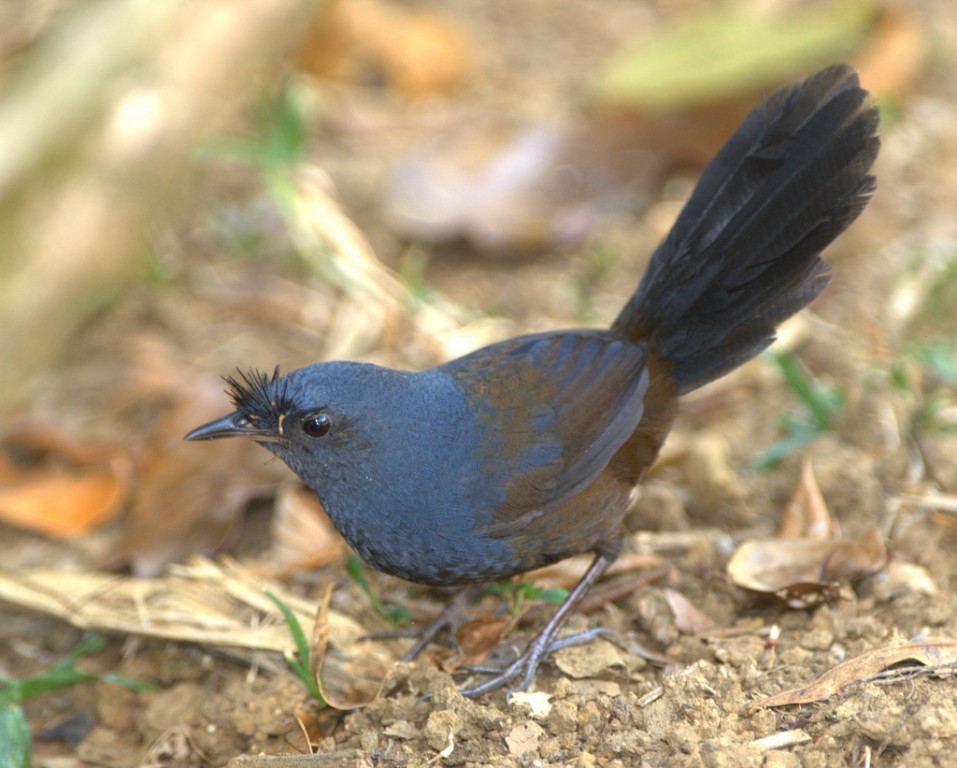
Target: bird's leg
[
  {"x": 525, "y": 666},
  {"x": 453, "y": 616}
]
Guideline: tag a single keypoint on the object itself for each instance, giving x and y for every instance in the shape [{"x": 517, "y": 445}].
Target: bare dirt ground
[{"x": 674, "y": 693}]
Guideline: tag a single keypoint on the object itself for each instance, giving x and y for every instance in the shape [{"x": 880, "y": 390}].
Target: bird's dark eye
[{"x": 317, "y": 426}]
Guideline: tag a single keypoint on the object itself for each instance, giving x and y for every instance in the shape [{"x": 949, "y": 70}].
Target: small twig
[{"x": 902, "y": 674}]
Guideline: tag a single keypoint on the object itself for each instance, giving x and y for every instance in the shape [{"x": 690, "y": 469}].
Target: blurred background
[
  {"x": 188, "y": 188},
  {"x": 191, "y": 188}
]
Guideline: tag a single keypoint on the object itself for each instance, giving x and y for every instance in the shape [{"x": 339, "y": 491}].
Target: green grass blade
[
  {"x": 15, "y": 744},
  {"x": 299, "y": 662}
]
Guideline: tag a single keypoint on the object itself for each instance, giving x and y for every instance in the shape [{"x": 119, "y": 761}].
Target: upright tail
[{"x": 743, "y": 254}]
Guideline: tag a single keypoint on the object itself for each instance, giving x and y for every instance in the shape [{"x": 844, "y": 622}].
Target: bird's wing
[{"x": 555, "y": 408}]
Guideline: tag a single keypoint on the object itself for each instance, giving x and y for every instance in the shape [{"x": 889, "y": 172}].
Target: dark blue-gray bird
[{"x": 527, "y": 451}]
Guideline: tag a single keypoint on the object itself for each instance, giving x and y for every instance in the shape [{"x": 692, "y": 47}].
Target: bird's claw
[
  {"x": 526, "y": 665},
  {"x": 450, "y": 619}
]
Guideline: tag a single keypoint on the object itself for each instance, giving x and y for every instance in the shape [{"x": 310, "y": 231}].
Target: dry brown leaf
[
  {"x": 68, "y": 486},
  {"x": 356, "y": 677},
  {"x": 688, "y": 617},
  {"x": 310, "y": 725},
  {"x": 319, "y": 647},
  {"x": 64, "y": 505},
  {"x": 34, "y": 443},
  {"x": 363, "y": 41},
  {"x": 854, "y": 558},
  {"x": 900, "y": 578},
  {"x": 860, "y": 668},
  {"x": 893, "y": 58},
  {"x": 806, "y": 515},
  {"x": 320, "y": 632},
  {"x": 209, "y": 603},
  {"x": 805, "y": 572},
  {"x": 491, "y": 184},
  {"x": 477, "y": 638},
  {"x": 187, "y": 499},
  {"x": 809, "y": 560}
]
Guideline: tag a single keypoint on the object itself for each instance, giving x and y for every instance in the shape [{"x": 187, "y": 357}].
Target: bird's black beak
[{"x": 233, "y": 425}]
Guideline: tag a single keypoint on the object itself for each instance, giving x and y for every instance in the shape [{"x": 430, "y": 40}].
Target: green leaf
[
  {"x": 15, "y": 745},
  {"x": 730, "y": 50},
  {"x": 51, "y": 680},
  {"x": 899, "y": 379},
  {"x": 504, "y": 589},
  {"x": 824, "y": 403},
  {"x": 399, "y": 616},
  {"x": 517, "y": 592},
  {"x": 299, "y": 663},
  {"x": 783, "y": 448},
  {"x": 356, "y": 571},
  {"x": 283, "y": 133},
  {"x": 555, "y": 595},
  {"x": 940, "y": 361},
  {"x": 395, "y": 616},
  {"x": 64, "y": 674}
]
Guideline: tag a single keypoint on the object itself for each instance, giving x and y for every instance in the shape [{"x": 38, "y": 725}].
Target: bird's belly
[
  {"x": 425, "y": 557},
  {"x": 431, "y": 554}
]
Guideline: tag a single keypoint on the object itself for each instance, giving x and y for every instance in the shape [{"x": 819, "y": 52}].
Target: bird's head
[
  {"x": 293, "y": 416},
  {"x": 267, "y": 409},
  {"x": 324, "y": 421}
]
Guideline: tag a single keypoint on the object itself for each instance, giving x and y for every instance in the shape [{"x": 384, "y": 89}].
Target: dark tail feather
[{"x": 743, "y": 254}]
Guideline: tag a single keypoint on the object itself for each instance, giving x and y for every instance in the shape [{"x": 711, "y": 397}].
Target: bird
[{"x": 528, "y": 451}]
